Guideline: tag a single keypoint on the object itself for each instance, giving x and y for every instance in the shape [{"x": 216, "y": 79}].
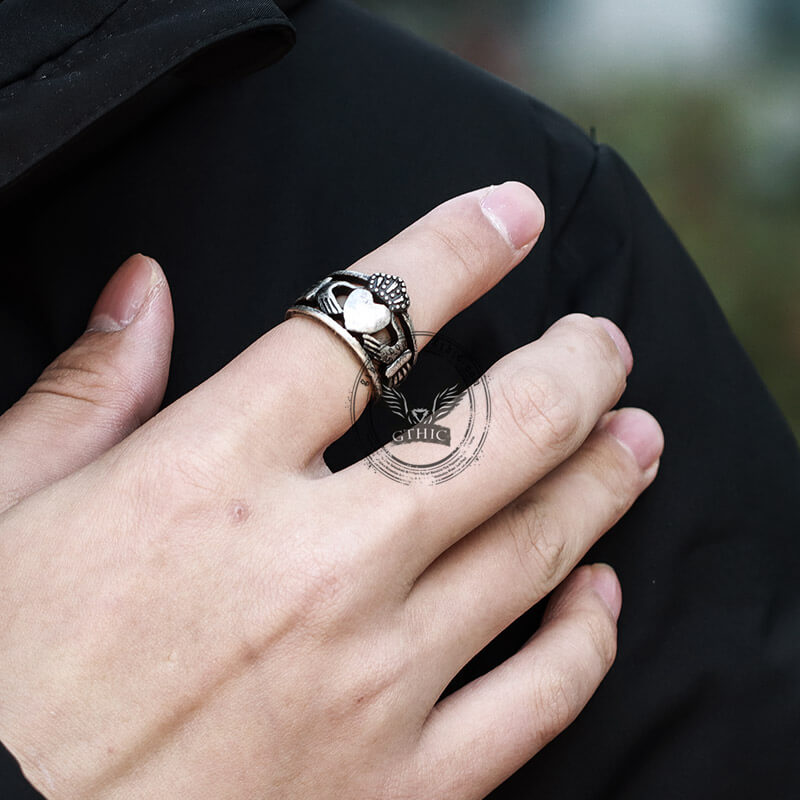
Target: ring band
[{"x": 370, "y": 313}]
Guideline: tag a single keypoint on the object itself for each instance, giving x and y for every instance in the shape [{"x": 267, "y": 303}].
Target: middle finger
[{"x": 546, "y": 398}]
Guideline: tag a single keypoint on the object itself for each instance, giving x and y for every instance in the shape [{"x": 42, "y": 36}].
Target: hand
[{"x": 190, "y": 608}]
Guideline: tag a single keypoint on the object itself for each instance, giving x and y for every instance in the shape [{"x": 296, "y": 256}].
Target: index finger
[{"x": 302, "y": 374}]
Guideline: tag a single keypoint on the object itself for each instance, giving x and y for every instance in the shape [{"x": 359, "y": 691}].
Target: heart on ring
[{"x": 363, "y": 315}]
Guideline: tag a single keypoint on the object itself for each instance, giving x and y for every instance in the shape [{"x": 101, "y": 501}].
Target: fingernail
[
  {"x": 125, "y": 294},
  {"x": 605, "y": 584},
  {"x": 619, "y": 340},
  {"x": 639, "y": 432},
  {"x": 515, "y": 211}
]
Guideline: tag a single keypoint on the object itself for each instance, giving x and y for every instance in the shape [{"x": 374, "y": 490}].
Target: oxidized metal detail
[{"x": 370, "y": 313}]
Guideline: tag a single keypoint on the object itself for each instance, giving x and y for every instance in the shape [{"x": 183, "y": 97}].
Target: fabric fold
[{"x": 71, "y": 78}]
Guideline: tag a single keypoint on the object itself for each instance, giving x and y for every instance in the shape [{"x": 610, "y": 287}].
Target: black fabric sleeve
[
  {"x": 75, "y": 78},
  {"x": 704, "y": 698}
]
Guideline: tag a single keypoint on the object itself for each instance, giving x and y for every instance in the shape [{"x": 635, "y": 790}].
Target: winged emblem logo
[{"x": 422, "y": 422}]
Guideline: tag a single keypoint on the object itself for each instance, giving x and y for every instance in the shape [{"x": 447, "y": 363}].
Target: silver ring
[{"x": 370, "y": 313}]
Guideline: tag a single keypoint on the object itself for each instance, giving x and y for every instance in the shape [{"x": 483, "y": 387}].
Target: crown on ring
[{"x": 390, "y": 289}]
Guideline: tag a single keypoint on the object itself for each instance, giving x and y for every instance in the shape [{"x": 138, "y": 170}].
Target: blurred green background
[{"x": 702, "y": 98}]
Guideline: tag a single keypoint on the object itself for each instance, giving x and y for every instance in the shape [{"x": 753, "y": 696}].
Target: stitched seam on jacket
[
  {"x": 55, "y": 60},
  {"x": 579, "y": 197}
]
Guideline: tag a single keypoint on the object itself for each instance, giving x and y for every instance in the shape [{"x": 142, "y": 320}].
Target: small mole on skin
[{"x": 239, "y": 511}]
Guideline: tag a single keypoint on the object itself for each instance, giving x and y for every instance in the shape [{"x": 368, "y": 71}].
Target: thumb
[{"x": 96, "y": 392}]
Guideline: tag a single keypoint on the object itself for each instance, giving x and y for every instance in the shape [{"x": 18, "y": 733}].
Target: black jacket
[{"x": 251, "y": 155}]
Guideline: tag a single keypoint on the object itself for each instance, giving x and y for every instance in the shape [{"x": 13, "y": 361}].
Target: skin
[{"x": 191, "y": 609}]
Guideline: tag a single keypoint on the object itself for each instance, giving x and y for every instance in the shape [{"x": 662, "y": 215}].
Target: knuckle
[
  {"x": 322, "y": 585},
  {"x": 87, "y": 379},
  {"x": 373, "y": 687},
  {"x": 601, "y": 634},
  {"x": 618, "y": 477},
  {"x": 541, "y": 408},
  {"x": 553, "y": 704},
  {"x": 598, "y": 344},
  {"x": 461, "y": 247},
  {"x": 540, "y": 548},
  {"x": 78, "y": 373},
  {"x": 574, "y": 321},
  {"x": 195, "y": 472},
  {"x": 201, "y": 463},
  {"x": 182, "y": 486},
  {"x": 621, "y": 486}
]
